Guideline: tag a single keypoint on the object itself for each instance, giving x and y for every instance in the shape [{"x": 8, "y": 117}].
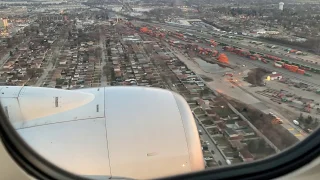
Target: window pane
[{"x": 248, "y": 70}]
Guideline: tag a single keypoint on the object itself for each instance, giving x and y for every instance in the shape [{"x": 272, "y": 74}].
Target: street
[
  {"x": 205, "y": 137},
  {"x": 102, "y": 45},
  {"x": 51, "y": 58}
]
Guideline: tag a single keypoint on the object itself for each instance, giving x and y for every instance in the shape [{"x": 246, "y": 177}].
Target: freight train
[{"x": 266, "y": 58}]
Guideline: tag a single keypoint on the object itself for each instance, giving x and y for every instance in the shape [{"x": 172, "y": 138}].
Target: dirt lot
[
  {"x": 207, "y": 79},
  {"x": 278, "y": 135}
]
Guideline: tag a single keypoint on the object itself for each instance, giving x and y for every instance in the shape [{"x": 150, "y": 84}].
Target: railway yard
[{"x": 244, "y": 94}]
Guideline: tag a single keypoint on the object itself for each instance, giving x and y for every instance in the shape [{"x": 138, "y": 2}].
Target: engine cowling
[{"x": 133, "y": 132}]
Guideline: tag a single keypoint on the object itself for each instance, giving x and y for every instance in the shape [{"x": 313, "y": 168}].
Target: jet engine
[{"x": 130, "y": 132}]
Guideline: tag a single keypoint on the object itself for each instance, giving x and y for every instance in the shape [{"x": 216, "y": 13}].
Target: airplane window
[{"x": 146, "y": 89}]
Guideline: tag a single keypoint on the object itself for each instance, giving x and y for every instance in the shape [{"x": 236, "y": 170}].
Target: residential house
[
  {"x": 240, "y": 125},
  {"x": 248, "y": 132},
  {"x": 210, "y": 113},
  {"x": 245, "y": 155},
  {"x": 221, "y": 126},
  {"x": 236, "y": 144},
  {"x": 230, "y": 133},
  {"x": 205, "y": 104}
]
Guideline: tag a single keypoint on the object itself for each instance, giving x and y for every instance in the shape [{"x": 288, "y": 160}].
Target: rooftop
[
  {"x": 241, "y": 124},
  {"x": 245, "y": 153},
  {"x": 230, "y": 132},
  {"x": 236, "y": 144},
  {"x": 275, "y": 75}
]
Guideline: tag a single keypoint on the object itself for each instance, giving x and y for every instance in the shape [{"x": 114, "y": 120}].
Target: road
[
  {"x": 205, "y": 137},
  {"x": 46, "y": 70},
  {"x": 104, "y": 81},
  {"x": 221, "y": 85},
  {"x": 184, "y": 29},
  {"x": 4, "y": 58},
  {"x": 52, "y": 57},
  {"x": 292, "y": 128},
  {"x": 254, "y": 128}
]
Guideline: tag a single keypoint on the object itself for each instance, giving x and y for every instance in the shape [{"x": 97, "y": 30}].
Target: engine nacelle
[{"x": 133, "y": 132}]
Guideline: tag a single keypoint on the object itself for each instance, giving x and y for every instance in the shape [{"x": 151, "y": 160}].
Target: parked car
[{"x": 296, "y": 122}]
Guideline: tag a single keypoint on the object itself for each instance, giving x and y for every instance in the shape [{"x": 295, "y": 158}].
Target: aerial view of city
[{"x": 249, "y": 69}]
